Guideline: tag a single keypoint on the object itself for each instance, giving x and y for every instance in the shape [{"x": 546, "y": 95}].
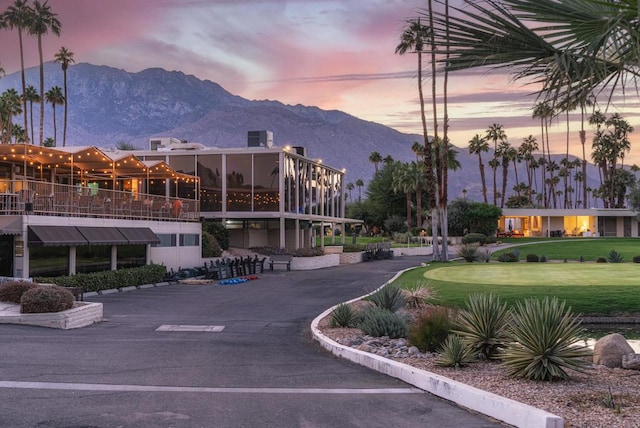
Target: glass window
[
  {"x": 210, "y": 173},
  {"x": 48, "y": 261},
  {"x": 93, "y": 258},
  {"x": 239, "y": 182},
  {"x": 266, "y": 194},
  {"x": 189, "y": 240},
  {"x": 132, "y": 256},
  {"x": 166, "y": 240}
]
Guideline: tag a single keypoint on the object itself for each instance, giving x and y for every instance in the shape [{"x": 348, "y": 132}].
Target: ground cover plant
[{"x": 573, "y": 248}]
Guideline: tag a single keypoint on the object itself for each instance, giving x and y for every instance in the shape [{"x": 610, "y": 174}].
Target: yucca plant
[
  {"x": 469, "y": 252},
  {"x": 417, "y": 294},
  {"x": 343, "y": 315},
  {"x": 615, "y": 257},
  {"x": 389, "y": 297},
  {"x": 455, "y": 352},
  {"x": 544, "y": 337},
  {"x": 482, "y": 323}
]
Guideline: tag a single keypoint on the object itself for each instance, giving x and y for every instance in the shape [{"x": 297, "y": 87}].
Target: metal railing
[{"x": 45, "y": 198}]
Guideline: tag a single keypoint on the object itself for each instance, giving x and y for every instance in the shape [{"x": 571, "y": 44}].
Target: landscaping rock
[
  {"x": 609, "y": 350},
  {"x": 631, "y": 361}
]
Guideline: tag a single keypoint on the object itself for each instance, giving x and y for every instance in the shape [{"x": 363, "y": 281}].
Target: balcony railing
[{"x": 44, "y": 198}]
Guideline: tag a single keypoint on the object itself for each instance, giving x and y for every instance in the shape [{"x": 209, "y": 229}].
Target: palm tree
[
  {"x": 48, "y": 142},
  {"x": 54, "y": 97},
  {"x": 350, "y": 186},
  {"x": 64, "y": 58},
  {"x": 543, "y": 111},
  {"x": 359, "y": 183},
  {"x": 404, "y": 182},
  {"x": 506, "y": 154},
  {"x": 33, "y": 97},
  {"x": 40, "y": 22},
  {"x": 478, "y": 145},
  {"x": 418, "y": 149},
  {"x": 10, "y": 106},
  {"x": 495, "y": 133},
  {"x": 388, "y": 160},
  {"x": 525, "y": 151},
  {"x": 17, "y": 16},
  {"x": 375, "y": 158}
]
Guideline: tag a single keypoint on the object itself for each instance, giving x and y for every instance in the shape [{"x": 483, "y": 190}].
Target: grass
[
  {"x": 364, "y": 240},
  {"x": 589, "y": 289},
  {"x": 573, "y": 248}
]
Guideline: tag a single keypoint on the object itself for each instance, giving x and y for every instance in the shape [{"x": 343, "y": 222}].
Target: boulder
[
  {"x": 631, "y": 361},
  {"x": 609, "y": 350}
]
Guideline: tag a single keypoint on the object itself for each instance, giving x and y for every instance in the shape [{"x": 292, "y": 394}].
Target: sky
[{"x": 334, "y": 54}]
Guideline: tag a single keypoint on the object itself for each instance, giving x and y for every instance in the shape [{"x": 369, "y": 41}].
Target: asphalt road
[{"x": 262, "y": 370}]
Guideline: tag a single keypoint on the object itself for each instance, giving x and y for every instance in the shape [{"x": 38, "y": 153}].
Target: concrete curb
[{"x": 493, "y": 405}]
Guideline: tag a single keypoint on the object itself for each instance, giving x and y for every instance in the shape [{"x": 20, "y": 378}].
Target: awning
[
  {"x": 55, "y": 236},
  {"x": 10, "y": 225},
  {"x": 103, "y": 235},
  {"x": 139, "y": 235}
]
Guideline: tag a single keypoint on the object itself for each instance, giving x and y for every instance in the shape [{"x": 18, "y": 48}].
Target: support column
[
  {"x": 72, "y": 260},
  {"x": 114, "y": 257}
]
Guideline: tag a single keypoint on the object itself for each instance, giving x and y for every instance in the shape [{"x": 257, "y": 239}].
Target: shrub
[
  {"x": 11, "y": 291},
  {"x": 474, "y": 238},
  {"x": 454, "y": 352},
  {"x": 543, "y": 336},
  {"x": 417, "y": 294},
  {"x": 343, "y": 316},
  {"x": 615, "y": 257},
  {"x": 381, "y": 322},
  {"x": 601, "y": 260},
  {"x": 482, "y": 323},
  {"x": 308, "y": 252},
  {"x": 218, "y": 231},
  {"x": 485, "y": 256},
  {"x": 543, "y": 259},
  {"x": 352, "y": 248},
  {"x": 210, "y": 246},
  {"x": 533, "y": 258},
  {"x": 46, "y": 299},
  {"x": 395, "y": 223},
  {"x": 491, "y": 240},
  {"x": 430, "y": 328},
  {"x": 402, "y": 237},
  {"x": 389, "y": 297},
  {"x": 468, "y": 252},
  {"x": 636, "y": 259},
  {"x": 508, "y": 256}
]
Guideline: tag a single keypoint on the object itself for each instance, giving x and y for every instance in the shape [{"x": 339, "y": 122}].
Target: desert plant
[
  {"x": 343, "y": 315},
  {"x": 379, "y": 322},
  {"x": 430, "y": 328},
  {"x": 11, "y": 291},
  {"x": 46, "y": 299},
  {"x": 543, "y": 341},
  {"x": 532, "y": 258},
  {"x": 474, "y": 238},
  {"x": 636, "y": 259},
  {"x": 389, "y": 297},
  {"x": 615, "y": 257},
  {"x": 468, "y": 252},
  {"x": 601, "y": 260},
  {"x": 485, "y": 256},
  {"x": 417, "y": 294},
  {"x": 482, "y": 323},
  {"x": 455, "y": 352},
  {"x": 509, "y": 256}
]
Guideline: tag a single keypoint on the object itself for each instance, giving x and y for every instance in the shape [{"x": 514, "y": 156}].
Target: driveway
[{"x": 261, "y": 370}]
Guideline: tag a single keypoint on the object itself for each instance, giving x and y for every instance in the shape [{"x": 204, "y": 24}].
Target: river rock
[
  {"x": 631, "y": 361},
  {"x": 609, "y": 350}
]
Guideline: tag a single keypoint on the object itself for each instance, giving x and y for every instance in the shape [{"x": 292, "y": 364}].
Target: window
[
  {"x": 132, "y": 256},
  {"x": 166, "y": 240},
  {"x": 48, "y": 261},
  {"x": 189, "y": 240},
  {"x": 93, "y": 258}
]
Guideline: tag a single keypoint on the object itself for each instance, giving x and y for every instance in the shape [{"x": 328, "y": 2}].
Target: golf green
[{"x": 539, "y": 274}]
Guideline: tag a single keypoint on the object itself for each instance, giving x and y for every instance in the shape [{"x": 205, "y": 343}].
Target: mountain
[{"x": 107, "y": 105}]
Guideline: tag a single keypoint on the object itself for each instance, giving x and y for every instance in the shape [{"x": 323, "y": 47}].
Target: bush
[
  {"x": 509, "y": 256},
  {"x": 474, "y": 238},
  {"x": 308, "y": 252},
  {"x": 482, "y": 323},
  {"x": 601, "y": 260},
  {"x": 210, "y": 246},
  {"x": 454, "y": 352},
  {"x": 343, "y": 316},
  {"x": 430, "y": 328},
  {"x": 352, "y": 248},
  {"x": 468, "y": 252},
  {"x": 615, "y": 257},
  {"x": 381, "y": 322},
  {"x": 218, "y": 231},
  {"x": 395, "y": 223},
  {"x": 543, "y": 337},
  {"x": 402, "y": 237},
  {"x": 44, "y": 299},
  {"x": 533, "y": 258},
  {"x": 636, "y": 259},
  {"x": 11, "y": 291},
  {"x": 543, "y": 259},
  {"x": 389, "y": 297},
  {"x": 417, "y": 294}
]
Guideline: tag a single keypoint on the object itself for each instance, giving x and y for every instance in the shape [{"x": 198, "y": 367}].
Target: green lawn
[
  {"x": 573, "y": 248},
  {"x": 588, "y": 288}
]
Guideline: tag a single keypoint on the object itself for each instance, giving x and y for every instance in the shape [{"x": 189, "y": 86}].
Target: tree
[
  {"x": 55, "y": 98},
  {"x": 33, "y": 97},
  {"x": 404, "y": 182},
  {"x": 10, "y": 106},
  {"x": 350, "y": 186},
  {"x": 478, "y": 145},
  {"x": 543, "y": 111},
  {"x": 495, "y": 133},
  {"x": 359, "y": 183},
  {"x": 40, "y": 22},
  {"x": 64, "y": 58},
  {"x": 125, "y": 145},
  {"x": 17, "y": 16},
  {"x": 375, "y": 158}
]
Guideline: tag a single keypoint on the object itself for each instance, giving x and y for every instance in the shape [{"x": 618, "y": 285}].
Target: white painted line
[
  {"x": 191, "y": 328},
  {"x": 152, "y": 388}
]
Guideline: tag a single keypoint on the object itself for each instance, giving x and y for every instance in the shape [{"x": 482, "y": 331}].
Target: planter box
[
  {"x": 351, "y": 258},
  {"x": 82, "y": 315},
  {"x": 317, "y": 262},
  {"x": 333, "y": 249},
  {"x": 412, "y": 251}
]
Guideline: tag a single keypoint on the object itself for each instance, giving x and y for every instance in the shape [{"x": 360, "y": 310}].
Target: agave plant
[
  {"x": 389, "y": 297},
  {"x": 544, "y": 337},
  {"x": 615, "y": 257},
  {"x": 343, "y": 316},
  {"x": 455, "y": 352},
  {"x": 468, "y": 252},
  {"x": 482, "y": 323}
]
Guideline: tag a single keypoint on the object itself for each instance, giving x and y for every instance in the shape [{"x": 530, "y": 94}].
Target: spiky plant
[
  {"x": 483, "y": 323},
  {"x": 418, "y": 293},
  {"x": 455, "y": 352},
  {"x": 544, "y": 337},
  {"x": 615, "y": 257},
  {"x": 469, "y": 252},
  {"x": 389, "y": 297},
  {"x": 379, "y": 322},
  {"x": 343, "y": 316}
]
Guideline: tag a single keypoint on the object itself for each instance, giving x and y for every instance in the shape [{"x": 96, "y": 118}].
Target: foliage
[
  {"x": 352, "y": 248},
  {"x": 366, "y": 211},
  {"x": 454, "y": 352},
  {"x": 389, "y": 297},
  {"x": 394, "y": 224},
  {"x": 210, "y": 246},
  {"x": 379, "y": 322},
  {"x": 466, "y": 216},
  {"x": 615, "y": 257},
  {"x": 11, "y": 291},
  {"x": 636, "y": 259},
  {"x": 509, "y": 256},
  {"x": 402, "y": 238},
  {"x": 308, "y": 252},
  {"x": 44, "y": 299},
  {"x": 125, "y": 145},
  {"x": 218, "y": 231},
  {"x": 430, "y": 328},
  {"x": 109, "y": 279},
  {"x": 468, "y": 252},
  {"x": 343, "y": 316},
  {"x": 474, "y": 238},
  {"x": 543, "y": 335},
  {"x": 383, "y": 202},
  {"x": 543, "y": 259},
  {"x": 417, "y": 294},
  {"x": 515, "y": 201},
  {"x": 601, "y": 260},
  {"x": 533, "y": 258},
  {"x": 482, "y": 323}
]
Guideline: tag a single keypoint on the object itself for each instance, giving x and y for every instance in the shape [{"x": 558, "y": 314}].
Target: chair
[
  {"x": 25, "y": 196},
  {"x": 84, "y": 204},
  {"x": 60, "y": 203},
  {"x": 97, "y": 205}
]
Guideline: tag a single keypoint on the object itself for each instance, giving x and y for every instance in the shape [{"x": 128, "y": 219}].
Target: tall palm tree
[
  {"x": 55, "y": 98},
  {"x": 543, "y": 111},
  {"x": 64, "y": 58},
  {"x": 495, "y": 133},
  {"x": 32, "y": 97},
  {"x": 404, "y": 182},
  {"x": 525, "y": 151},
  {"x": 375, "y": 158},
  {"x": 10, "y": 106},
  {"x": 350, "y": 186},
  {"x": 478, "y": 145},
  {"x": 41, "y": 21},
  {"x": 17, "y": 16},
  {"x": 359, "y": 184},
  {"x": 418, "y": 149}
]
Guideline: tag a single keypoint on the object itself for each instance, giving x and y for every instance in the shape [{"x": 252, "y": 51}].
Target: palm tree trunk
[
  {"x": 431, "y": 184},
  {"x": 24, "y": 86},
  {"x": 66, "y": 102},
  {"x": 41, "y": 89},
  {"x": 445, "y": 150},
  {"x": 482, "y": 178}
]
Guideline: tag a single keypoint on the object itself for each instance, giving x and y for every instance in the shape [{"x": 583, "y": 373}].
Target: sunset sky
[{"x": 334, "y": 54}]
